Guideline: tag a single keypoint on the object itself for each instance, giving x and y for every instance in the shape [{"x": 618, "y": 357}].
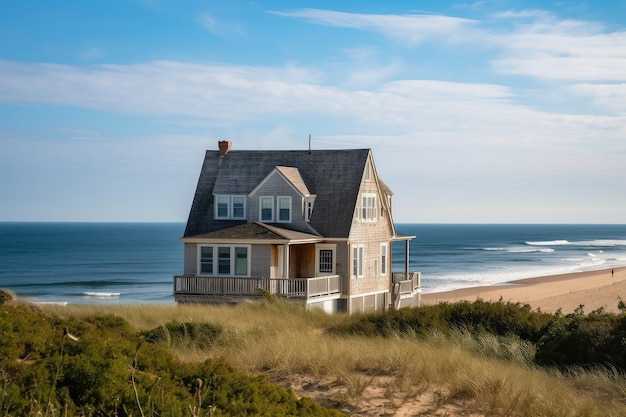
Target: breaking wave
[
  {"x": 549, "y": 243},
  {"x": 101, "y": 294}
]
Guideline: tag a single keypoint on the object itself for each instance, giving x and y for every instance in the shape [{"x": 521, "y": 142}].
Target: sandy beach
[{"x": 592, "y": 289}]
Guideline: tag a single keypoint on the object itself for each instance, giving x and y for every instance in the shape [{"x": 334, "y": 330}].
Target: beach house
[{"x": 313, "y": 226}]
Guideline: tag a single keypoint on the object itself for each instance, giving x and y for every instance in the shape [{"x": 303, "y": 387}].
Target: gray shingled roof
[{"x": 333, "y": 175}]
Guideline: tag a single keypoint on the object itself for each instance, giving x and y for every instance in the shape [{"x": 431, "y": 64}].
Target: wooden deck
[{"x": 191, "y": 285}]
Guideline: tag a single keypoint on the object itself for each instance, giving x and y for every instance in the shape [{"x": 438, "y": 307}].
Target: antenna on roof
[{"x": 309, "y": 144}]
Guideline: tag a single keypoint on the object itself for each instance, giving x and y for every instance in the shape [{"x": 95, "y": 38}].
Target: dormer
[{"x": 280, "y": 194}]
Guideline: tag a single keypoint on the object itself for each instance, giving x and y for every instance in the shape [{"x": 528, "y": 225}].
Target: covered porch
[{"x": 273, "y": 261}]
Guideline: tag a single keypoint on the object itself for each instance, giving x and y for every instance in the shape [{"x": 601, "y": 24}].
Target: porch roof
[
  {"x": 402, "y": 237},
  {"x": 258, "y": 232}
]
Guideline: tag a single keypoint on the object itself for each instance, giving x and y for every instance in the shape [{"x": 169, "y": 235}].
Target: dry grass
[{"x": 438, "y": 375}]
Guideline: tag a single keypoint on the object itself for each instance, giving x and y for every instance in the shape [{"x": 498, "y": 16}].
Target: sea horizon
[{"x": 134, "y": 262}]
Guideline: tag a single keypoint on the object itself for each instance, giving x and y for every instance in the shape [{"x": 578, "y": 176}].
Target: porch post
[
  {"x": 286, "y": 266},
  {"x": 406, "y": 259}
]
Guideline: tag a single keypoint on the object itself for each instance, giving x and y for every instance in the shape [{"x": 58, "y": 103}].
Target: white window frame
[
  {"x": 200, "y": 263},
  {"x": 217, "y": 199},
  {"x": 232, "y": 260},
  {"x": 289, "y": 205},
  {"x": 230, "y": 207},
  {"x": 358, "y": 260},
  {"x": 232, "y": 213},
  {"x": 271, "y": 200},
  {"x": 369, "y": 211},
  {"x": 308, "y": 208},
  {"x": 384, "y": 258},
  {"x": 318, "y": 258}
]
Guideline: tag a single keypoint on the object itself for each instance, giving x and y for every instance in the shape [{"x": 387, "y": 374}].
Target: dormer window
[
  {"x": 275, "y": 209},
  {"x": 266, "y": 209},
  {"x": 239, "y": 207},
  {"x": 222, "y": 203},
  {"x": 230, "y": 207},
  {"x": 284, "y": 209}
]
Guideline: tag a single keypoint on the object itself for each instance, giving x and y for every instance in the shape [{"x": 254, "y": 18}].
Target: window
[
  {"x": 224, "y": 260},
  {"x": 221, "y": 207},
  {"x": 358, "y": 252},
  {"x": 241, "y": 261},
  {"x": 239, "y": 207},
  {"x": 284, "y": 209},
  {"x": 266, "y": 208},
  {"x": 368, "y": 207},
  {"x": 325, "y": 259},
  {"x": 308, "y": 208},
  {"x": 230, "y": 207},
  {"x": 206, "y": 260},
  {"x": 383, "y": 259}
]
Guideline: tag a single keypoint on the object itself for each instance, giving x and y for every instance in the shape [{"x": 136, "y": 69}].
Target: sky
[{"x": 476, "y": 112}]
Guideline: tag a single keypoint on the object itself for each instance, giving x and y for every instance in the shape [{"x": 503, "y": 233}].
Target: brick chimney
[{"x": 224, "y": 146}]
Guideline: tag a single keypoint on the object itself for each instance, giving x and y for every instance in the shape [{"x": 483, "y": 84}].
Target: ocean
[{"x": 133, "y": 263}]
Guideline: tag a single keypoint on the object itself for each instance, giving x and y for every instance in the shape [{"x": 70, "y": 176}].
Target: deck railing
[
  {"x": 406, "y": 289},
  {"x": 408, "y": 284},
  {"x": 234, "y": 286}
]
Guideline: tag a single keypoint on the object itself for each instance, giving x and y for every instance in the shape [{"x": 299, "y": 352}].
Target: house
[{"x": 313, "y": 226}]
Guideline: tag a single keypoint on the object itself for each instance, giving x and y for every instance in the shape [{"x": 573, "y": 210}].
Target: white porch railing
[{"x": 235, "y": 286}]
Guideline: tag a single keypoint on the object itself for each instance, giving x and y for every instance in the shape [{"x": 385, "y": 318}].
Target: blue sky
[{"x": 477, "y": 112}]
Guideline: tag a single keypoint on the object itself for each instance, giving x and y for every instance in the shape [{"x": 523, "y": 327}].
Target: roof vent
[{"x": 225, "y": 146}]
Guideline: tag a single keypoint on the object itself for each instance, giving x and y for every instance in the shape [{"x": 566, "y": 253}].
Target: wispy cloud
[
  {"x": 546, "y": 47},
  {"x": 220, "y": 27},
  {"x": 409, "y": 28},
  {"x": 230, "y": 94},
  {"x": 161, "y": 87},
  {"x": 532, "y": 43}
]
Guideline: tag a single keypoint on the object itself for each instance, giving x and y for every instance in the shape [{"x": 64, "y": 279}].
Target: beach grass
[{"x": 436, "y": 375}]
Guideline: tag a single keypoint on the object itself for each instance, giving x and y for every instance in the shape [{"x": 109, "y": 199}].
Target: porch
[{"x": 200, "y": 288}]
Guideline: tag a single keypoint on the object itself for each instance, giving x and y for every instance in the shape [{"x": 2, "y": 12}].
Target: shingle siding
[
  {"x": 370, "y": 234},
  {"x": 191, "y": 259},
  {"x": 260, "y": 261}
]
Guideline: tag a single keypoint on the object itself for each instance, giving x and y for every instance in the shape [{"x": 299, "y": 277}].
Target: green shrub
[
  {"x": 99, "y": 366},
  {"x": 502, "y": 319},
  {"x": 584, "y": 340},
  {"x": 573, "y": 340}
]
